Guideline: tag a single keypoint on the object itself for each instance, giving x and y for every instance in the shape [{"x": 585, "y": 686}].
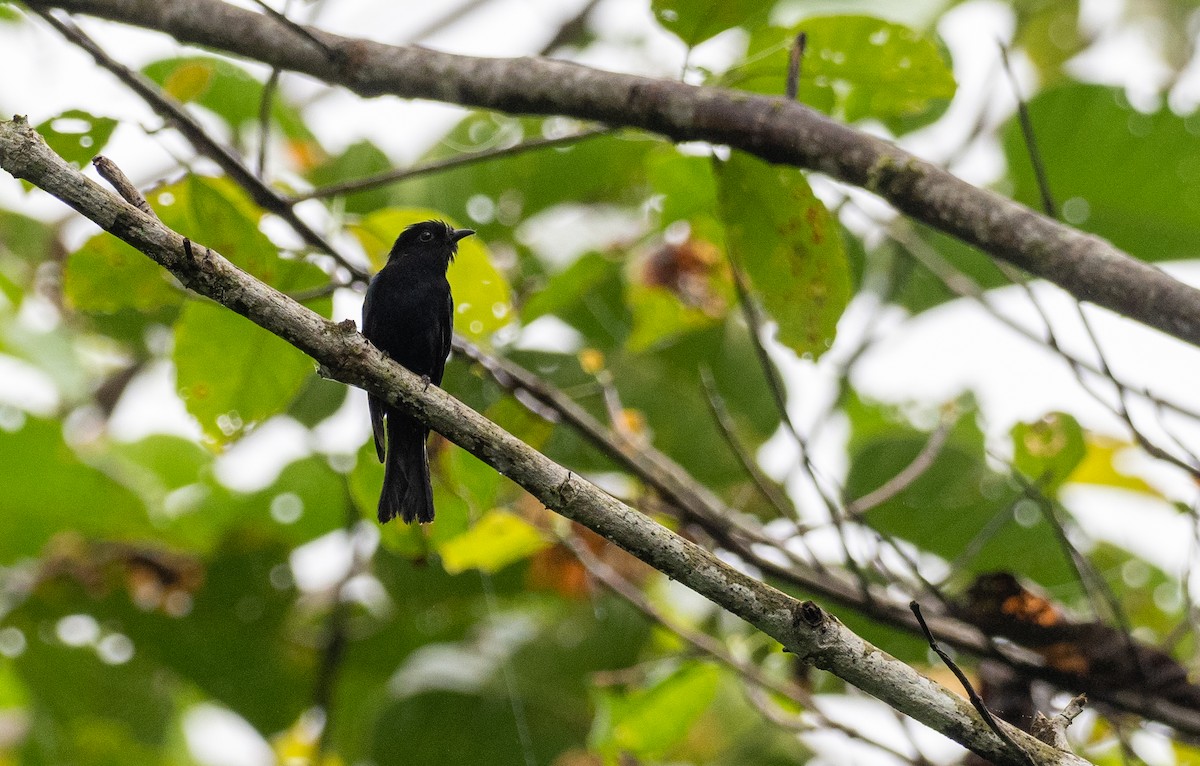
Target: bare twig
[
  {"x": 343, "y": 354},
  {"x": 907, "y": 475},
  {"x": 299, "y": 29},
  {"x": 116, "y": 178},
  {"x": 976, "y": 700},
  {"x": 1035, "y": 157},
  {"x": 767, "y": 488},
  {"x": 174, "y": 113},
  {"x": 570, "y": 30},
  {"x": 404, "y": 174},
  {"x": 264, "y": 121},
  {"x": 1053, "y": 731},
  {"x": 795, "y": 58}
]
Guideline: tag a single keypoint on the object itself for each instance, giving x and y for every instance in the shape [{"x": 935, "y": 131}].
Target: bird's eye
[{"x": 426, "y": 236}]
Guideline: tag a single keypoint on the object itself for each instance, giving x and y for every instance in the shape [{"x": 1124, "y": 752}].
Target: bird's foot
[{"x": 425, "y": 379}]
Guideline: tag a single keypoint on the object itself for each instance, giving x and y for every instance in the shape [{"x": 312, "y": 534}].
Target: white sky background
[{"x": 929, "y": 359}]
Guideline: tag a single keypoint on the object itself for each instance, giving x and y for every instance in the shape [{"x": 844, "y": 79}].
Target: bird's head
[{"x": 433, "y": 242}]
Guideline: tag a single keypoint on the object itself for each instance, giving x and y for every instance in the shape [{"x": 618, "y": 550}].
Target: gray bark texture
[
  {"x": 775, "y": 129},
  {"x": 803, "y": 628}
]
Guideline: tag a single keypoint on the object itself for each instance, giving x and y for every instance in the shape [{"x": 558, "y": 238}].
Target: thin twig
[
  {"x": 404, "y": 174},
  {"x": 963, "y": 286},
  {"x": 907, "y": 475},
  {"x": 570, "y": 30},
  {"x": 116, "y": 178},
  {"x": 972, "y": 695},
  {"x": 1035, "y": 157},
  {"x": 1121, "y": 409},
  {"x": 264, "y": 121},
  {"x": 795, "y": 58},
  {"x": 299, "y": 29},
  {"x": 446, "y": 20},
  {"x": 720, "y": 413},
  {"x": 174, "y": 113},
  {"x": 755, "y": 324}
]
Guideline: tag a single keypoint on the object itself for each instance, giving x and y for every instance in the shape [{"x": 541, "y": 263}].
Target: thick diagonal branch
[
  {"x": 803, "y": 628},
  {"x": 775, "y": 129}
]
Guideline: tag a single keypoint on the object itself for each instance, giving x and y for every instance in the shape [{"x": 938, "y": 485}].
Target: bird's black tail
[{"x": 406, "y": 489}]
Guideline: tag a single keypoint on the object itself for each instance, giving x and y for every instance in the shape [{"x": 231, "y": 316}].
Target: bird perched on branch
[{"x": 409, "y": 315}]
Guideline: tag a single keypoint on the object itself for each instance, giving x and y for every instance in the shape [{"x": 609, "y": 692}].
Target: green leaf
[
  {"x": 231, "y": 373},
  {"x": 649, "y": 721},
  {"x": 789, "y": 247},
  {"x": 76, "y": 135},
  {"x": 1048, "y": 451},
  {"x": 1099, "y": 466},
  {"x": 215, "y": 212},
  {"x": 482, "y": 303},
  {"x": 86, "y": 710},
  {"x": 1125, "y": 175},
  {"x": 227, "y": 90},
  {"x": 47, "y": 489},
  {"x": 317, "y": 400},
  {"x": 694, "y": 21},
  {"x": 854, "y": 68},
  {"x": 589, "y": 296},
  {"x": 52, "y": 351},
  {"x": 24, "y": 244},
  {"x": 688, "y": 189},
  {"x": 497, "y": 194},
  {"x": 470, "y": 478},
  {"x": 1048, "y": 32},
  {"x": 495, "y": 541},
  {"x": 237, "y": 642},
  {"x": 958, "y": 505},
  {"x": 107, "y": 275},
  {"x": 360, "y": 160}
]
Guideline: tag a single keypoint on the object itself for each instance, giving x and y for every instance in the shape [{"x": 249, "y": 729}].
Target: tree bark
[
  {"x": 775, "y": 129},
  {"x": 804, "y": 629}
]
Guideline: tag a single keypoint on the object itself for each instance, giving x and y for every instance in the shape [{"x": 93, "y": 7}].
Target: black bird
[{"x": 409, "y": 315}]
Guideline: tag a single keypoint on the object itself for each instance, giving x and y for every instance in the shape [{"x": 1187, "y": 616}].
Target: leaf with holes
[
  {"x": 789, "y": 246},
  {"x": 1049, "y": 450}
]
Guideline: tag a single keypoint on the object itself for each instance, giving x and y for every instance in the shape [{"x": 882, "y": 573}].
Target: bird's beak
[{"x": 461, "y": 234}]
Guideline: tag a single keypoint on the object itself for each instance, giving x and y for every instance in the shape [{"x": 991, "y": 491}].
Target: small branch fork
[{"x": 803, "y": 629}]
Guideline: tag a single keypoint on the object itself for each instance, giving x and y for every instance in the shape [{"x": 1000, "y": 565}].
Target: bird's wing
[
  {"x": 377, "y": 405},
  {"x": 377, "y": 426},
  {"x": 447, "y": 334}
]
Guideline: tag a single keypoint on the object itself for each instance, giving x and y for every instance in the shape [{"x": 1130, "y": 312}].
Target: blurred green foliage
[{"x": 137, "y": 586}]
